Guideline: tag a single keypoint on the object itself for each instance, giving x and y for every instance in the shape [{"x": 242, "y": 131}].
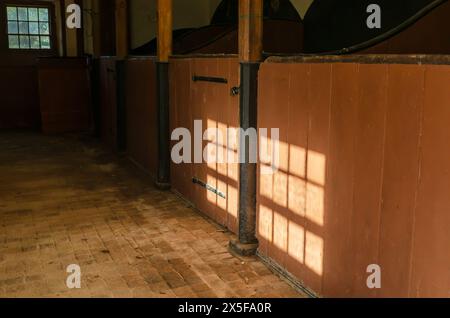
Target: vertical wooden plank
[
  {"x": 223, "y": 100},
  {"x": 185, "y": 111},
  {"x": 189, "y": 119},
  {"x": 273, "y": 194},
  {"x": 175, "y": 90},
  {"x": 405, "y": 100},
  {"x": 337, "y": 241},
  {"x": 197, "y": 105},
  {"x": 370, "y": 136},
  {"x": 265, "y": 181},
  {"x": 212, "y": 105},
  {"x": 431, "y": 257},
  {"x": 233, "y": 142},
  {"x": 298, "y": 127},
  {"x": 319, "y": 100}
]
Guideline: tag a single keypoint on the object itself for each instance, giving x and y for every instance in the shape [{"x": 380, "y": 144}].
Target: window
[{"x": 28, "y": 28}]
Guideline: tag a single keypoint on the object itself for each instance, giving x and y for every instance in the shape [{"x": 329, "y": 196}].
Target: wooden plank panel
[
  {"x": 211, "y": 108},
  {"x": 431, "y": 257},
  {"x": 319, "y": 100},
  {"x": 264, "y": 216},
  {"x": 276, "y": 88},
  {"x": 298, "y": 127},
  {"x": 405, "y": 100},
  {"x": 141, "y": 110},
  {"x": 233, "y": 141},
  {"x": 223, "y": 99},
  {"x": 370, "y": 136},
  {"x": 185, "y": 120},
  {"x": 337, "y": 244},
  {"x": 175, "y": 91}
]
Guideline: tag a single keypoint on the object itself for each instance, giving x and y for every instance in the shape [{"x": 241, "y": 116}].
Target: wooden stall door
[
  {"x": 108, "y": 102},
  {"x": 141, "y": 113},
  {"x": 212, "y": 105}
]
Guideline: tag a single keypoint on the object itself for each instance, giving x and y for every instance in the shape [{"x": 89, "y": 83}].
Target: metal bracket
[{"x": 209, "y": 188}]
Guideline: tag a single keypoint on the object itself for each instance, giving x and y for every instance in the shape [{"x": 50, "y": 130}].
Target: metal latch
[{"x": 235, "y": 90}]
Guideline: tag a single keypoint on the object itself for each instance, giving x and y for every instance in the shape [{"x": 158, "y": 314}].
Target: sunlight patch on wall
[
  {"x": 316, "y": 167},
  {"x": 280, "y": 231},
  {"x": 314, "y": 253},
  {"x": 296, "y": 242},
  {"x": 297, "y": 196},
  {"x": 281, "y": 184},
  {"x": 265, "y": 182},
  {"x": 315, "y": 203},
  {"x": 265, "y": 223},
  {"x": 297, "y": 161}
]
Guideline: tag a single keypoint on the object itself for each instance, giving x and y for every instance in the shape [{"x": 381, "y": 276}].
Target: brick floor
[{"x": 64, "y": 200}]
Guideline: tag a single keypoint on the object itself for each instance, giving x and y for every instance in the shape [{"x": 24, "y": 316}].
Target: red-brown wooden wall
[
  {"x": 141, "y": 113},
  {"x": 213, "y": 104},
  {"x": 363, "y": 179},
  {"x": 65, "y": 95}
]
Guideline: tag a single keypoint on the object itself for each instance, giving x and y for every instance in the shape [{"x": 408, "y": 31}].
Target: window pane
[
  {"x": 43, "y": 28},
  {"x": 12, "y": 13},
  {"x": 24, "y": 42},
  {"x": 23, "y": 27},
  {"x": 43, "y": 14},
  {"x": 45, "y": 42},
  {"x": 34, "y": 42},
  {"x": 13, "y": 41},
  {"x": 28, "y": 28},
  {"x": 34, "y": 28},
  {"x": 33, "y": 14},
  {"x": 12, "y": 27},
  {"x": 23, "y": 15}
]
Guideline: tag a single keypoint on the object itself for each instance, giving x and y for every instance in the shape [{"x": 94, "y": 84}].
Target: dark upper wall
[
  {"x": 143, "y": 16},
  {"x": 223, "y": 29},
  {"x": 331, "y": 25}
]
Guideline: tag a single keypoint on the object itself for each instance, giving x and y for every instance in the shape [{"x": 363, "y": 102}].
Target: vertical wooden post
[
  {"x": 250, "y": 30},
  {"x": 164, "y": 36},
  {"x": 250, "y": 55},
  {"x": 80, "y": 32},
  {"x": 121, "y": 28},
  {"x": 164, "y": 32},
  {"x": 71, "y": 35},
  {"x": 96, "y": 28}
]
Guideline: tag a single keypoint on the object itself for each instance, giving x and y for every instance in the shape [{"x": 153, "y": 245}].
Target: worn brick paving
[{"x": 65, "y": 200}]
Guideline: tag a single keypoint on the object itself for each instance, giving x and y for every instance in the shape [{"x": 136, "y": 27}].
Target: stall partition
[{"x": 363, "y": 173}]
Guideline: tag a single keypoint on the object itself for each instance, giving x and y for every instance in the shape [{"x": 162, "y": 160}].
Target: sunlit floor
[{"x": 64, "y": 200}]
